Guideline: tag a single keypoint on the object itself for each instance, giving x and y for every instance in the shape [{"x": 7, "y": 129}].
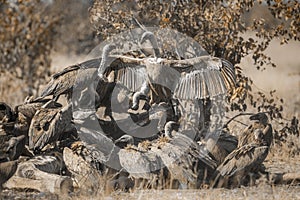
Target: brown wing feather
[
  {"x": 244, "y": 158},
  {"x": 140, "y": 164},
  {"x": 47, "y": 125},
  {"x": 63, "y": 81},
  {"x": 207, "y": 78},
  {"x": 132, "y": 76}
]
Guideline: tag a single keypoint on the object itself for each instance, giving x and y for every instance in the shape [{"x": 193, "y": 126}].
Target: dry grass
[{"x": 259, "y": 192}]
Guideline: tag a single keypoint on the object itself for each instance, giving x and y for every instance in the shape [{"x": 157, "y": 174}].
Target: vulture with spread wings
[{"x": 194, "y": 78}]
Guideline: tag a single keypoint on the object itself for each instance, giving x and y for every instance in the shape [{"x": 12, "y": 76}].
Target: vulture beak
[
  {"x": 254, "y": 117},
  {"x": 124, "y": 140},
  {"x": 262, "y": 117}
]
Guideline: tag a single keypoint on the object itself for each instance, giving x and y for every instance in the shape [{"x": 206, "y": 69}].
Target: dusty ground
[{"x": 245, "y": 193}]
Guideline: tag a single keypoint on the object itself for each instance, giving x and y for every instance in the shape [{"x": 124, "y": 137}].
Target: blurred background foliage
[
  {"x": 31, "y": 29},
  {"x": 26, "y": 37}
]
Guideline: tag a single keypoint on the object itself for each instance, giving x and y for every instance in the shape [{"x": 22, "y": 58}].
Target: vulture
[
  {"x": 26, "y": 111},
  {"x": 11, "y": 147},
  {"x": 6, "y": 113},
  {"x": 220, "y": 144},
  {"x": 142, "y": 164},
  {"x": 81, "y": 84},
  {"x": 78, "y": 76},
  {"x": 261, "y": 123},
  {"x": 30, "y": 106},
  {"x": 16, "y": 122},
  {"x": 187, "y": 162},
  {"x": 245, "y": 159},
  {"x": 194, "y": 78},
  {"x": 174, "y": 154},
  {"x": 48, "y": 124},
  {"x": 176, "y": 82},
  {"x": 7, "y": 119}
]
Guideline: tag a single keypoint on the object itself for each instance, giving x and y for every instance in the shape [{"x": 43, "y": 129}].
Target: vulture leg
[{"x": 175, "y": 103}]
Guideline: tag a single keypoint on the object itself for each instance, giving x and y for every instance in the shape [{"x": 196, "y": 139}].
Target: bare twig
[
  {"x": 233, "y": 118},
  {"x": 240, "y": 114}
]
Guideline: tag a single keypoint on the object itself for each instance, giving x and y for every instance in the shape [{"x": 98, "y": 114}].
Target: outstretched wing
[
  {"x": 93, "y": 63},
  {"x": 131, "y": 76},
  {"x": 65, "y": 70},
  {"x": 130, "y": 73},
  {"x": 208, "y": 77},
  {"x": 63, "y": 81}
]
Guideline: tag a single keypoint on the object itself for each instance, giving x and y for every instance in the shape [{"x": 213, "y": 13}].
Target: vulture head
[{"x": 260, "y": 117}]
